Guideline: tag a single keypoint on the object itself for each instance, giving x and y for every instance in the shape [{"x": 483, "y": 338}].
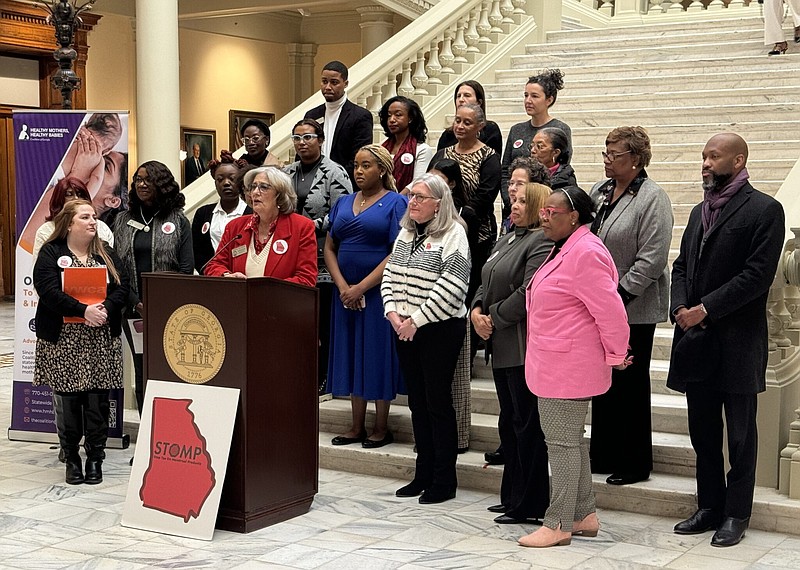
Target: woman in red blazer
[{"x": 273, "y": 241}]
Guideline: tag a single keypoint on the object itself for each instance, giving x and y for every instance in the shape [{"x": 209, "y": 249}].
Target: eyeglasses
[
  {"x": 254, "y": 139},
  {"x": 140, "y": 181},
  {"x": 306, "y": 138},
  {"x": 547, "y": 213},
  {"x": 262, "y": 188},
  {"x": 412, "y": 197},
  {"x": 612, "y": 156}
]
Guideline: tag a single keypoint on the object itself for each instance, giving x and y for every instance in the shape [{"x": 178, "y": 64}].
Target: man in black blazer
[
  {"x": 194, "y": 165},
  {"x": 728, "y": 257},
  {"x": 347, "y": 126}
]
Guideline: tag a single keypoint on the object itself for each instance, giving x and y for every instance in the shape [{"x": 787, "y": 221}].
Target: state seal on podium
[{"x": 194, "y": 343}]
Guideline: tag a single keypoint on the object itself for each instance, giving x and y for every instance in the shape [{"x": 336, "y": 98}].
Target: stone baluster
[
  {"x": 506, "y": 9},
  {"x": 519, "y": 7},
  {"x": 390, "y": 90},
  {"x": 715, "y": 5},
  {"x": 420, "y": 79},
  {"x": 377, "y": 99},
  {"x": 460, "y": 42},
  {"x": 675, "y": 7},
  {"x": 484, "y": 27},
  {"x": 606, "y": 8},
  {"x": 740, "y": 4},
  {"x": 791, "y": 296},
  {"x": 471, "y": 36},
  {"x": 778, "y": 320},
  {"x": 434, "y": 68},
  {"x": 361, "y": 100},
  {"x": 695, "y": 6},
  {"x": 654, "y": 7},
  {"x": 792, "y": 447},
  {"x": 446, "y": 57},
  {"x": 406, "y": 87},
  {"x": 495, "y": 18}
]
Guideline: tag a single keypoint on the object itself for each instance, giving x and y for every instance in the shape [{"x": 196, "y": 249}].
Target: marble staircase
[{"x": 683, "y": 82}]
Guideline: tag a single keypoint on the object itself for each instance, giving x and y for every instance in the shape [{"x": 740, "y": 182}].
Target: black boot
[
  {"x": 95, "y": 428},
  {"x": 69, "y": 425}
]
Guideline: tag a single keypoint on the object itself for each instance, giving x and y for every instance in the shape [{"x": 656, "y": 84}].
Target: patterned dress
[
  {"x": 84, "y": 358},
  {"x": 363, "y": 361}
]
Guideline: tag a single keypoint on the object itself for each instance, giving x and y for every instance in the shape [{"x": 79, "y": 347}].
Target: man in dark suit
[
  {"x": 194, "y": 165},
  {"x": 720, "y": 281},
  {"x": 347, "y": 126}
]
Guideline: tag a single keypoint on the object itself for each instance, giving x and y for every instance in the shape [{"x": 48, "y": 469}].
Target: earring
[
  {"x": 436, "y": 213},
  {"x": 573, "y": 223}
]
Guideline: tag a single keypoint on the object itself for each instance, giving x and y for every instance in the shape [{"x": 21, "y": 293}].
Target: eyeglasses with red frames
[{"x": 547, "y": 213}]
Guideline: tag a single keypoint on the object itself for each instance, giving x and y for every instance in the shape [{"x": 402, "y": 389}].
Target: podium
[{"x": 270, "y": 332}]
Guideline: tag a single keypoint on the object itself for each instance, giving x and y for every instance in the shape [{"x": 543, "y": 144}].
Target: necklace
[
  {"x": 364, "y": 200},
  {"x": 146, "y": 223}
]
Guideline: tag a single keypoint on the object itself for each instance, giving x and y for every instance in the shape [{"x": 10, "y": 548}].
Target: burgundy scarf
[
  {"x": 713, "y": 202},
  {"x": 403, "y": 173}
]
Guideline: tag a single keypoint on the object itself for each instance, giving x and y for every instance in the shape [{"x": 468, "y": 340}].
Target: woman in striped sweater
[{"x": 424, "y": 287}]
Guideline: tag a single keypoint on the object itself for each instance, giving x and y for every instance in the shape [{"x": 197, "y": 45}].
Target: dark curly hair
[
  {"x": 551, "y": 81},
  {"x": 537, "y": 172},
  {"x": 416, "y": 121},
  {"x": 168, "y": 195},
  {"x": 225, "y": 157}
]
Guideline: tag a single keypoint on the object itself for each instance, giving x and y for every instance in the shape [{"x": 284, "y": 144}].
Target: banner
[{"x": 50, "y": 146}]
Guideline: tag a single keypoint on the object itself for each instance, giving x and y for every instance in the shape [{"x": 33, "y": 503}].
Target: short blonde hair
[
  {"x": 535, "y": 197},
  {"x": 280, "y": 181}
]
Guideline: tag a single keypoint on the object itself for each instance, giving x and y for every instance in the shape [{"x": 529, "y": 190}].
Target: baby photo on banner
[{"x": 59, "y": 155}]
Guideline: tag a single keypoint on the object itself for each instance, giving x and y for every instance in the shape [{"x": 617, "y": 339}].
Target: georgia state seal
[{"x": 194, "y": 343}]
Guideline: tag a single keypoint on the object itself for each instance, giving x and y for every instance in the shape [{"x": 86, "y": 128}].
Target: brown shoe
[{"x": 588, "y": 526}]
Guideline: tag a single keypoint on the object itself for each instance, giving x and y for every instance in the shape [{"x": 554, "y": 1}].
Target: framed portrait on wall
[
  {"x": 238, "y": 118},
  {"x": 200, "y": 146}
]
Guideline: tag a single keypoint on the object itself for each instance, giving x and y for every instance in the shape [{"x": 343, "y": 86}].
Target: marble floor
[{"x": 355, "y": 522}]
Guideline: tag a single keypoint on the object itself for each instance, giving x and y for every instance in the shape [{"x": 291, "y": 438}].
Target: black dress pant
[
  {"x": 428, "y": 363},
  {"x": 138, "y": 367},
  {"x": 525, "y": 488},
  {"x": 734, "y": 497},
  {"x": 622, "y": 432},
  {"x": 82, "y": 415}
]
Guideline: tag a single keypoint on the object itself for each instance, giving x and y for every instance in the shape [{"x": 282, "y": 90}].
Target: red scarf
[
  {"x": 258, "y": 242},
  {"x": 403, "y": 173}
]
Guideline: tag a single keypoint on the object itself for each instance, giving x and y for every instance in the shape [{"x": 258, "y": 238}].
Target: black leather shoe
[
  {"x": 434, "y": 496},
  {"x": 94, "y": 472},
  {"x": 508, "y": 519},
  {"x": 494, "y": 458},
  {"x": 74, "y": 471},
  {"x": 701, "y": 521},
  {"x": 373, "y": 444},
  {"x": 626, "y": 479},
  {"x": 730, "y": 532},
  {"x": 342, "y": 440},
  {"x": 501, "y": 508},
  {"x": 411, "y": 490}
]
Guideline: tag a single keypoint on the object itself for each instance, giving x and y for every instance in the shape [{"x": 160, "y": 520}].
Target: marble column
[
  {"x": 158, "y": 107},
  {"x": 377, "y": 26},
  {"x": 547, "y": 15},
  {"x": 301, "y": 62}
]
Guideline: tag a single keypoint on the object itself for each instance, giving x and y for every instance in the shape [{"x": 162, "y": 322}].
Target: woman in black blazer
[
  {"x": 210, "y": 220},
  {"x": 81, "y": 361},
  {"x": 499, "y": 317}
]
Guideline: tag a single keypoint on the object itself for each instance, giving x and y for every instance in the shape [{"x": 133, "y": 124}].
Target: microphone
[{"x": 220, "y": 250}]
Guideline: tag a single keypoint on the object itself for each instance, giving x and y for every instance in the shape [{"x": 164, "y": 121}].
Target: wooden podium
[{"x": 270, "y": 329}]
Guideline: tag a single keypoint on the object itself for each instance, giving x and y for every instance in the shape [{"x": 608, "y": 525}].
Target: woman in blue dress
[{"x": 363, "y": 363}]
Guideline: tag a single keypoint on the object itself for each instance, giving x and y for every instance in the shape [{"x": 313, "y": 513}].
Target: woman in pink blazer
[
  {"x": 271, "y": 242},
  {"x": 577, "y": 331}
]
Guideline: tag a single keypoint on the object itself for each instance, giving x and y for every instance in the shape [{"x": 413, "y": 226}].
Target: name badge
[
  {"x": 136, "y": 225},
  {"x": 433, "y": 246},
  {"x": 237, "y": 251}
]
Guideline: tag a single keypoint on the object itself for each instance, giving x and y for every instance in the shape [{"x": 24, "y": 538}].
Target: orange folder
[{"x": 86, "y": 284}]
